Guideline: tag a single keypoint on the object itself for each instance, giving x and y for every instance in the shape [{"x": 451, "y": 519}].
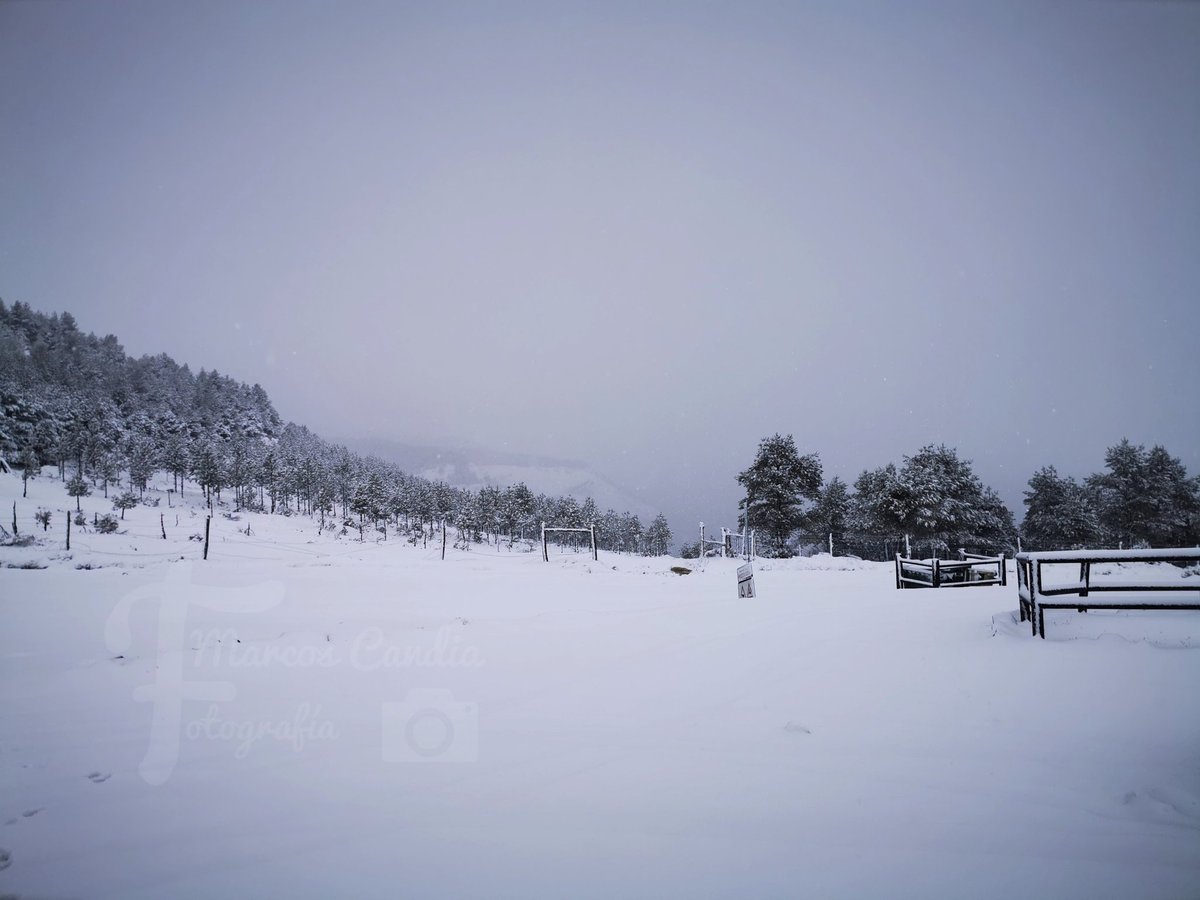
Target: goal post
[{"x": 589, "y": 530}]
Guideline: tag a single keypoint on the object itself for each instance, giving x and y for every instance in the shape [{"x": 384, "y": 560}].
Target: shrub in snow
[
  {"x": 106, "y": 524},
  {"x": 80, "y": 519},
  {"x": 42, "y": 517},
  {"x": 127, "y": 500},
  {"x": 30, "y": 467},
  {"x": 77, "y": 488}
]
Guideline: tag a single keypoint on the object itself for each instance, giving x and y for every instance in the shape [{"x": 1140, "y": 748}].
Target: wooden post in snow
[
  {"x": 595, "y": 554},
  {"x": 545, "y": 549},
  {"x": 163, "y": 525},
  {"x": 207, "y": 523},
  {"x": 443, "y": 538},
  {"x": 68, "y": 530}
]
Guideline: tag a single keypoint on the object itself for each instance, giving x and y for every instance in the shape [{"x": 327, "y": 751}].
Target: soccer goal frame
[{"x": 589, "y": 530}]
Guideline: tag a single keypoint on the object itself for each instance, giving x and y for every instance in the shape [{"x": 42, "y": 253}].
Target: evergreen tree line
[
  {"x": 76, "y": 402},
  {"x": 1143, "y": 499},
  {"x": 934, "y": 502}
]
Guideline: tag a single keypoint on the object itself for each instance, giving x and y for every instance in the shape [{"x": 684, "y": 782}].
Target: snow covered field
[{"x": 303, "y": 715}]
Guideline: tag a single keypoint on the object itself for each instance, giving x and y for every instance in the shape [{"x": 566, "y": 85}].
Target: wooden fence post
[
  {"x": 68, "y": 529},
  {"x": 163, "y": 525},
  {"x": 443, "y": 539},
  {"x": 595, "y": 554},
  {"x": 1035, "y": 592},
  {"x": 545, "y": 549},
  {"x": 207, "y": 523}
]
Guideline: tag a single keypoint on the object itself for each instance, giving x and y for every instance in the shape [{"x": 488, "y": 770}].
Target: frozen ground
[{"x": 307, "y": 716}]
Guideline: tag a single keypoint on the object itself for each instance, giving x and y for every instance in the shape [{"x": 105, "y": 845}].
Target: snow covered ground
[{"x": 305, "y": 715}]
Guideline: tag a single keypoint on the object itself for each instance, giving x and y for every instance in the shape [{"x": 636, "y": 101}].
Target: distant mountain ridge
[{"x": 475, "y": 467}]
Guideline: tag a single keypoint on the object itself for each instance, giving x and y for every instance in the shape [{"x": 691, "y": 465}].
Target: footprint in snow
[
  {"x": 30, "y": 813},
  {"x": 5, "y": 859},
  {"x": 796, "y": 728},
  {"x": 99, "y": 777}
]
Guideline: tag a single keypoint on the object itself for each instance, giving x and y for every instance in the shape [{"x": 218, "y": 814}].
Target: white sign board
[{"x": 745, "y": 581}]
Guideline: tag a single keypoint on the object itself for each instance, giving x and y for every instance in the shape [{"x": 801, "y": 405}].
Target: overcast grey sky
[{"x": 640, "y": 234}]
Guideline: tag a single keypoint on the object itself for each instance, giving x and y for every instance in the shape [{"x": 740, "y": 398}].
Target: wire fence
[{"x": 140, "y": 538}]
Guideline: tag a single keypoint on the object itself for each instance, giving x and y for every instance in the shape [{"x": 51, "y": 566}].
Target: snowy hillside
[{"x": 307, "y": 715}]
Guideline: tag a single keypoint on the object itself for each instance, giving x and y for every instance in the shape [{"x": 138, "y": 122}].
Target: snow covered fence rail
[
  {"x": 733, "y": 544},
  {"x": 969, "y": 570},
  {"x": 1032, "y": 592}
]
